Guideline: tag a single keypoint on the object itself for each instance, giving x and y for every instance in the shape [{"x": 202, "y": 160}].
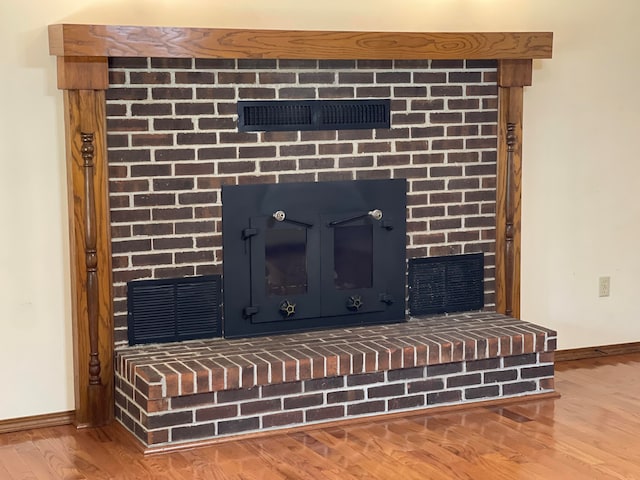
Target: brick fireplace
[
  {"x": 162, "y": 115},
  {"x": 173, "y": 141}
]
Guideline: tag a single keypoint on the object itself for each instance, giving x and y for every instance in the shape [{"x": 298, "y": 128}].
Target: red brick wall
[{"x": 172, "y": 142}]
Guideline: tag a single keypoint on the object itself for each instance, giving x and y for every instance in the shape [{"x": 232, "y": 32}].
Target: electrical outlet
[{"x": 604, "y": 286}]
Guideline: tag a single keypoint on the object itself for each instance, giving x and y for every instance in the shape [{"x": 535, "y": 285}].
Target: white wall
[
  {"x": 580, "y": 162},
  {"x": 581, "y": 175}
]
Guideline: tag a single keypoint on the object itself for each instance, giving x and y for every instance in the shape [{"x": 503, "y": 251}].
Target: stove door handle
[
  {"x": 375, "y": 214},
  {"x": 280, "y": 216}
]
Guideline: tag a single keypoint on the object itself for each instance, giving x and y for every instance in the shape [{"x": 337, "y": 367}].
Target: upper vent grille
[{"x": 313, "y": 115}]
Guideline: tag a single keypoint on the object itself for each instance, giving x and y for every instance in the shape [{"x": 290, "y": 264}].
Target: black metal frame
[{"x": 316, "y": 207}]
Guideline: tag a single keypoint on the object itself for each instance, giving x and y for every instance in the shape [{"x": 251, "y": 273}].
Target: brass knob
[
  {"x": 354, "y": 303},
  {"x": 287, "y": 308}
]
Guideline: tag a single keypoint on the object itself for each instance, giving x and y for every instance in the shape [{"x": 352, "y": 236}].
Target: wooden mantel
[
  {"x": 83, "y": 51},
  {"x": 131, "y": 41}
]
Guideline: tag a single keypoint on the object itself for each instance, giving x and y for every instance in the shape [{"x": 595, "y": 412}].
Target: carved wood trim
[
  {"x": 83, "y": 51},
  {"x": 508, "y": 201},
  {"x": 90, "y": 255}
]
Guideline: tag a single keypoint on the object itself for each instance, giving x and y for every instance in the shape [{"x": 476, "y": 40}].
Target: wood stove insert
[{"x": 300, "y": 256}]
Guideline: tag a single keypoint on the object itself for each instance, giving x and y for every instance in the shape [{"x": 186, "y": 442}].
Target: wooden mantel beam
[
  {"x": 136, "y": 41},
  {"x": 83, "y": 52}
]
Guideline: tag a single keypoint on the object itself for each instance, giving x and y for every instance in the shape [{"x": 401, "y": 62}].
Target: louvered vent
[
  {"x": 446, "y": 284},
  {"x": 174, "y": 309},
  {"x": 313, "y": 115}
]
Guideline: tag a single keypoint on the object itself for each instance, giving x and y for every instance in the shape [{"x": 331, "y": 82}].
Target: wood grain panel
[
  {"x": 137, "y": 41},
  {"x": 88, "y": 73},
  {"x": 515, "y": 73},
  {"x": 508, "y": 201},
  {"x": 85, "y": 112}
]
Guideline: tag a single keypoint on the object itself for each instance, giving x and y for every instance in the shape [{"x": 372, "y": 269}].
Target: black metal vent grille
[
  {"x": 446, "y": 284},
  {"x": 313, "y": 115},
  {"x": 174, "y": 309}
]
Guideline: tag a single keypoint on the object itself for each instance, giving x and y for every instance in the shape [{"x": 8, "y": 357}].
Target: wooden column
[
  {"x": 513, "y": 75},
  {"x": 84, "y": 81}
]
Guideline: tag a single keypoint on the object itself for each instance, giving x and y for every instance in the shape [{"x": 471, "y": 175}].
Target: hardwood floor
[{"x": 591, "y": 432}]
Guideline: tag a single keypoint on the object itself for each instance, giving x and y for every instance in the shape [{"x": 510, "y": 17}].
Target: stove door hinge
[
  {"x": 248, "y": 233},
  {"x": 248, "y": 312},
  {"x": 386, "y": 298}
]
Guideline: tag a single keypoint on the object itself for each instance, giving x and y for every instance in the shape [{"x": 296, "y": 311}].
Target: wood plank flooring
[{"x": 591, "y": 432}]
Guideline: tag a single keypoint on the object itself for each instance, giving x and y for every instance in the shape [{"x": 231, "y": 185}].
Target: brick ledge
[
  {"x": 173, "y": 394},
  {"x": 168, "y": 370}
]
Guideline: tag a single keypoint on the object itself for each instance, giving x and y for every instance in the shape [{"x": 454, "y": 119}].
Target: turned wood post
[
  {"x": 513, "y": 75},
  {"x": 84, "y": 81}
]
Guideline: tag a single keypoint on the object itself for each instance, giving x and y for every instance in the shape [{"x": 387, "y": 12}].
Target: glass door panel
[
  {"x": 351, "y": 277},
  {"x": 285, "y": 277},
  {"x": 286, "y": 261},
  {"x": 353, "y": 257}
]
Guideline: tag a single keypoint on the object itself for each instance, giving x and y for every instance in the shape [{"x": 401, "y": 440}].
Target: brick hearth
[{"x": 200, "y": 390}]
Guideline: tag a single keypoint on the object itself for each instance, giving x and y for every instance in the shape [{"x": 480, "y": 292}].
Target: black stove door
[
  {"x": 285, "y": 276},
  {"x": 353, "y": 278}
]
